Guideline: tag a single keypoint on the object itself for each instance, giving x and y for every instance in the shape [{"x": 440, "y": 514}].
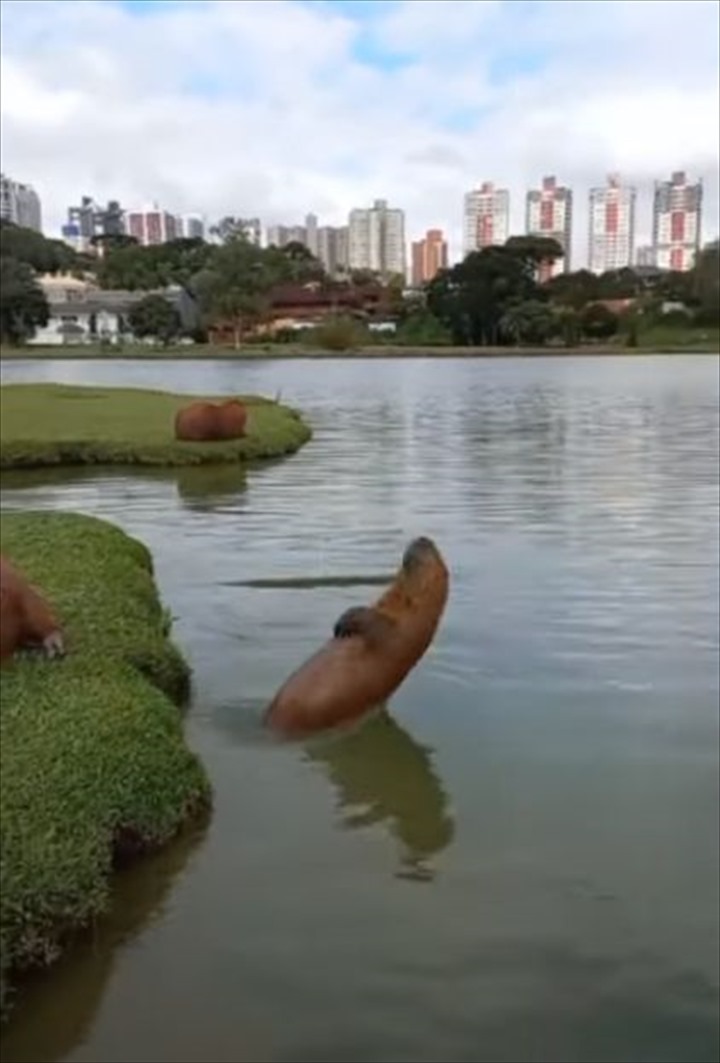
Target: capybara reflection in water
[
  {"x": 204, "y": 422},
  {"x": 26, "y": 620},
  {"x": 372, "y": 649}
]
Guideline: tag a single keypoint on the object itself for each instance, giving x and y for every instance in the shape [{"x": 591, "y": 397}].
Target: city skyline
[
  {"x": 290, "y": 106},
  {"x": 376, "y": 237}
]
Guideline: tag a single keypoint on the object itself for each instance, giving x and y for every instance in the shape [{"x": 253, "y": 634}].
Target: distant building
[
  {"x": 280, "y": 235},
  {"x": 152, "y": 226},
  {"x": 20, "y": 204},
  {"x": 548, "y": 213},
  {"x": 88, "y": 219},
  {"x": 191, "y": 226},
  {"x": 486, "y": 217},
  {"x": 429, "y": 256},
  {"x": 376, "y": 239},
  {"x": 611, "y": 238},
  {"x": 645, "y": 256},
  {"x": 332, "y": 248},
  {"x": 677, "y": 222}
]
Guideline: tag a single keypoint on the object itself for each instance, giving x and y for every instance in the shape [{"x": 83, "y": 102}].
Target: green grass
[
  {"x": 59, "y": 424},
  {"x": 93, "y": 763},
  {"x": 691, "y": 339}
]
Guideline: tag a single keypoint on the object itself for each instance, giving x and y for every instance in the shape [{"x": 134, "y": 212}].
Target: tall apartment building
[
  {"x": 332, "y": 248},
  {"x": 486, "y": 217},
  {"x": 376, "y": 239},
  {"x": 89, "y": 219},
  {"x": 20, "y": 204},
  {"x": 152, "y": 226},
  {"x": 280, "y": 235},
  {"x": 548, "y": 212},
  {"x": 677, "y": 222},
  {"x": 429, "y": 256},
  {"x": 191, "y": 227},
  {"x": 645, "y": 256},
  {"x": 611, "y": 238}
]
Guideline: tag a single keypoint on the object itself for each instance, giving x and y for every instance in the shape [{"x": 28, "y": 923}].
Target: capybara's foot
[{"x": 53, "y": 645}]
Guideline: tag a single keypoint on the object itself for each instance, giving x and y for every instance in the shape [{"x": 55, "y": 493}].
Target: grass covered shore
[
  {"x": 93, "y": 763},
  {"x": 658, "y": 340},
  {"x": 59, "y": 424}
]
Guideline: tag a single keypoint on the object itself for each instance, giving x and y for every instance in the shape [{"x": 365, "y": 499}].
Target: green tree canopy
[
  {"x": 23, "y": 306},
  {"x": 155, "y": 316}
]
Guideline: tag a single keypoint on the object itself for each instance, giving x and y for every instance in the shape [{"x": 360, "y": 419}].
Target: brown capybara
[
  {"x": 205, "y": 422},
  {"x": 26, "y": 620},
  {"x": 372, "y": 650}
]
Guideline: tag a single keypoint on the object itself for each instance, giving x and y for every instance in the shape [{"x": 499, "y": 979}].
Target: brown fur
[
  {"x": 26, "y": 620},
  {"x": 203, "y": 422},
  {"x": 372, "y": 650}
]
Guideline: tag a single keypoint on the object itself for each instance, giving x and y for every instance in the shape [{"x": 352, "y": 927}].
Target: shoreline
[
  {"x": 291, "y": 352},
  {"x": 112, "y": 775},
  {"x": 50, "y": 424}
]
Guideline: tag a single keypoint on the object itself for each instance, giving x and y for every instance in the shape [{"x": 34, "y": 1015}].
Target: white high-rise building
[
  {"x": 191, "y": 227},
  {"x": 376, "y": 239},
  {"x": 611, "y": 238},
  {"x": 486, "y": 217},
  {"x": 548, "y": 212},
  {"x": 677, "y": 221},
  {"x": 20, "y": 204}
]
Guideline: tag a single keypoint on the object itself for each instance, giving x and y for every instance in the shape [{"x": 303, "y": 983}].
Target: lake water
[{"x": 521, "y": 863}]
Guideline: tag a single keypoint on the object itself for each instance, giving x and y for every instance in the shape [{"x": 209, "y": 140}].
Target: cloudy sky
[{"x": 279, "y": 107}]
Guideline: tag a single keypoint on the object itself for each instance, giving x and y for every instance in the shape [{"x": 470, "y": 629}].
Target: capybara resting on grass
[
  {"x": 26, "y": 620},
  {"x": 204, "y": 422},
  {"x": 372, "y": 649}
]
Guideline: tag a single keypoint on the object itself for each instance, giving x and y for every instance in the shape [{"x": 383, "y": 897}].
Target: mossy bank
[
  {"x": 93, "y": 763},
  {"x": 59, "y": 424}
]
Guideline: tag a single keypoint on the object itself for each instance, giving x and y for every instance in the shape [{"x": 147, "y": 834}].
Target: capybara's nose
[{"x": 417, "y": 548}]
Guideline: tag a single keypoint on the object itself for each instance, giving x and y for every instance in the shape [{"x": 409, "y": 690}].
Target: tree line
[{"x": 493, "y": 297}]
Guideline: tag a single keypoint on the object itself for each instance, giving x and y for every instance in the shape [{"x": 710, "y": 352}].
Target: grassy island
[
  {"x": 59, "y": 424},
  {"x": 93, "y": 764}
]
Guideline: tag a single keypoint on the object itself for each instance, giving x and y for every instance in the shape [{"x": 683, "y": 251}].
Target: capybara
[
  {"x": 26, "y": 620},
  {"x": 205, "y": 422},
  {"x": 372, "y": 649}
]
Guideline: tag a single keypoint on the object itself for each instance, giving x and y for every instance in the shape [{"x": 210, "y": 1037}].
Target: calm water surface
[{"x": 521, "y": 862}]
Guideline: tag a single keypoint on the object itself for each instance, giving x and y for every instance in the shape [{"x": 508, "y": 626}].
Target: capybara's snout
[{"x": 418, "y": 551}]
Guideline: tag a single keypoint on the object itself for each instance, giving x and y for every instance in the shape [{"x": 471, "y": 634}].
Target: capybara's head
[{"x": 418, "y": 552}]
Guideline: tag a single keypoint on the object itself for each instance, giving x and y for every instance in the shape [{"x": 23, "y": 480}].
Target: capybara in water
[
  {"x": 372, "y": 649},
  {"x": 26, "y": 620},
  {"x": 204, "y": 422}
]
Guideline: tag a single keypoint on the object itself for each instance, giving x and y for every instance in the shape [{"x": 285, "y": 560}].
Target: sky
[{"x": 277, "y": 108}]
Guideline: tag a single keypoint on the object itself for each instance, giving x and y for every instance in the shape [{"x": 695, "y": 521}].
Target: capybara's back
[{"x": 205, "y": 422}]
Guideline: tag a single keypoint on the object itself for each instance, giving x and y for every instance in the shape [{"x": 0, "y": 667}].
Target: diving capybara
[
  {"x": 26, "y": 620},
  {"x": 372, "y": 650},
  {"x": 205, "y": 422}
]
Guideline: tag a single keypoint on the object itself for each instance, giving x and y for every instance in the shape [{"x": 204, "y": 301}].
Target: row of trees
[{"x": 492, "y": 297}]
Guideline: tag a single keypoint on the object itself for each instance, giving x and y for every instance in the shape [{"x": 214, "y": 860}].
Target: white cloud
[{"x": 277, "y": 108}]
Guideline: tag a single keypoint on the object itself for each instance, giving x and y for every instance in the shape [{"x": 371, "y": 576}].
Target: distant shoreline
[{"x": 202, "y": 353}]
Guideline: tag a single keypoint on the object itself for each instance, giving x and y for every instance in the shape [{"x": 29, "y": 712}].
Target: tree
[
  {"x": 575, "y": 290},
  {"x": 32, "y": 248},
  {"x": 23, "y": 306},
  {"x": 155, "y": 316},
  {"x": 471, "y": 298},
  {"x": 535, "y": 250},
  {"x": 529, "y": 322},
  {"x": 136, "y": 268},
  {"x": 598, "y": 322},
  {"x": 706, "y": 284},
  {"x": 236, "y": 285}
]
